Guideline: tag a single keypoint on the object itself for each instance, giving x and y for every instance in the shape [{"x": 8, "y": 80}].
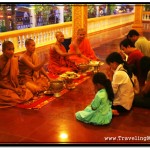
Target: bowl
[
  {"x": 83, "y": 67},
  {"x": 57, "y": 86}
]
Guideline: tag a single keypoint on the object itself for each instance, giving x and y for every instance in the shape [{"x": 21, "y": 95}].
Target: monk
[
  {"x": 58, "y": 62},
  {"x": 81, "y": 46},
  {"x": 32, "y": 73},
  {"x": 11, "y": 93}
]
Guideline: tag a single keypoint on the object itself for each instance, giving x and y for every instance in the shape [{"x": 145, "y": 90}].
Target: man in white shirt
[{"x": 140, "y": 42}]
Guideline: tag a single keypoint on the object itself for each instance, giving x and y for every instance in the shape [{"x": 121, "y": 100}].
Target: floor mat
[{"x": 43, "y": 100}]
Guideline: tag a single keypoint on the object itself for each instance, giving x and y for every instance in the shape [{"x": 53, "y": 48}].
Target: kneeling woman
[{"x": 99, "y": 112}]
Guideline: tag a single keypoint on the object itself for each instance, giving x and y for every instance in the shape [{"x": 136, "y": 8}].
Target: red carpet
[{"x": 43, "y": 100}]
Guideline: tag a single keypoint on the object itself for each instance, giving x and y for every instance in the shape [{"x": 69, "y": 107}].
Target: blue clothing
[{"x": 102, "y": 113}]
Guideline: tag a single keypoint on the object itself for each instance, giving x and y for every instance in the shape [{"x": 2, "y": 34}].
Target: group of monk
[
  {"x": 80, "y": 52},
  {"x": 23, "y": 78}
]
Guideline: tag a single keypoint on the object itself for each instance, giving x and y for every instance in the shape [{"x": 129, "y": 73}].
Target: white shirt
[
  {"x": 123, "y": 88},
  {"x": 143, "y": 45}
]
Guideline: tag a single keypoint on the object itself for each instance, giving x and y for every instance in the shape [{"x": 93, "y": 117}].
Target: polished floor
[{"x": 55, "y": 123}]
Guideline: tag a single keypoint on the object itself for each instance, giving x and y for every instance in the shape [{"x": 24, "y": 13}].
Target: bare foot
[{"x": 115, "y": 112}]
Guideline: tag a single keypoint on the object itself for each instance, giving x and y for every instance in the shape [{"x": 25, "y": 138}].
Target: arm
[
  {"x": 96, "y": 102},
  {"x": 59, "y": 51},
  {"x": 6, "y": 86},
  {"x": 17, "y": 90},
  {"x": 116, "y": 81},
  {"x": 118, "y": 78},
  {"x": 45, "y": 74},
  {"x": 78, "y": 52},
  {"x": 31, "y": 65}
]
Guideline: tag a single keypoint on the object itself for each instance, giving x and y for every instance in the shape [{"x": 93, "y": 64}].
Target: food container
[
  {"x": 96, "y": 65},
  {"x": 69, "y": 78},
  {"x": 57, "y": 86},
  {"x": 83, "y": 67}
]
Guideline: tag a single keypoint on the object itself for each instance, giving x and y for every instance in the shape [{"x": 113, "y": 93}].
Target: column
[
  {"x": 61, "y": 15},
  {"x": 33, "y": 17},
  {"x": 138, "y": 25},
  {"x": 79, "y": 18},
  {"x": 97, "y": 10}
]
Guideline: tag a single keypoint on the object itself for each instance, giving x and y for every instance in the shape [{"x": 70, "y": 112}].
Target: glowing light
[{"x": 63, "y": 136}]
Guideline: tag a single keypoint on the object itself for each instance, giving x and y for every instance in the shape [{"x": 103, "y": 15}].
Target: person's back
[
  {"x": 134, "y": 60},
  {"x": 143, "y": 45},
  {"x": 123, "y": 88},
  {"x": 99, "y": 112},
  {"x": 140, "y": 42}
]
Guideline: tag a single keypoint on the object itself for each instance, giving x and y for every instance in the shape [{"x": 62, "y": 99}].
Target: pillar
[
  {"x": 138, "y": 25},
  {"x": 61, "y": 11},
  {"x": 97, "y": 10},
  {"x": 33, "y": 17},
  {"x": 79, "y": 18}
]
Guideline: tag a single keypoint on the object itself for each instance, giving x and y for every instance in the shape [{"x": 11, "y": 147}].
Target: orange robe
[
  {"x": 33, "y": 80},
  {"x": 85, "y": 49},
  {"x": 59, "y": 64},
  {"x": 9, "y": 77}
]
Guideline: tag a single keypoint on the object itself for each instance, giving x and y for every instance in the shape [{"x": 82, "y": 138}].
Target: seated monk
[
  {"x": 58, "y": 61},
  {"x": 10, "y": 92},
  {"x": 32, "y": 73},
  {"x": 81, "y": 46}
]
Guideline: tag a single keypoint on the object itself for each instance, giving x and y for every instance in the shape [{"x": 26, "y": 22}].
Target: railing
[
  {"x": 146, "y": 20},
  {"x": 106, "y": 22},
  {"x": 45, "y": 35},
  {"x": 42, "y": 35},
  {"x": 146, "y": 16}
]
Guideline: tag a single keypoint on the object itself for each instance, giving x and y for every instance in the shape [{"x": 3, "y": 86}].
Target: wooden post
[
  {"x": 79, "y": 18},
  {"x": 138, "y": 25}
]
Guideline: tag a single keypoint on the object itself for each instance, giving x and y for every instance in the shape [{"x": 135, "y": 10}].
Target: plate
[
  {"x": 101, "y": 63},
  {"x": 48, "y": 93},
  {"x": 70, "y": 75},
  {"x": 90, "y": 69},
  {"x": 94, "y": 63}
]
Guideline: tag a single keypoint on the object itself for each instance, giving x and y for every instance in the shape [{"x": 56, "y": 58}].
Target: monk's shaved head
[
  {"x": 5, "y": 44},
  {"x": 28, "y": 41},
  {"x": 58, "y": 33},
  {"x": 80, "y": 30}
]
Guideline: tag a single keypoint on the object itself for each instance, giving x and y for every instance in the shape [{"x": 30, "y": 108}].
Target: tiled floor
[{"x": 46, "y": 125}]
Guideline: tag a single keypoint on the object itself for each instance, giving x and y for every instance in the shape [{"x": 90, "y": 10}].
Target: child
[{"x": 99, "y": 112}]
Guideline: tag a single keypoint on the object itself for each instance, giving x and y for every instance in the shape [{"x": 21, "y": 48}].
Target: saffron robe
[
  {"x": 59, "y": 64},
  {"x": 9, "y": 77},
  {"x": 33, "y": 80},
  {"x": 85, "y": 49}
]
